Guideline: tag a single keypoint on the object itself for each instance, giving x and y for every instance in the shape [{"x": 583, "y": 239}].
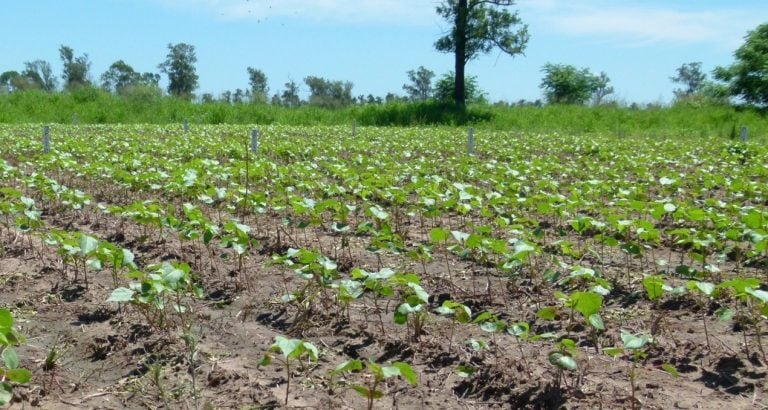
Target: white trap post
[
  {"x": 254, "y": 140},
  {"x": 743, "y": 134},
  {"x": 46, "y": 139},
  {"x": 471, "y": 141}
]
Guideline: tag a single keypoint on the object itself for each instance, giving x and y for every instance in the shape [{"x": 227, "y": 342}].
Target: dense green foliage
[
  {"x": 566, "y": 84},
  {"x": 748, "y": 76},
  {"x": 477, "y": 27},
  {"x": 145, "y": 105}
]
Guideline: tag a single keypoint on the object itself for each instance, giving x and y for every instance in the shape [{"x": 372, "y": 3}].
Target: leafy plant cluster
[{"x": 390, "y": 221}]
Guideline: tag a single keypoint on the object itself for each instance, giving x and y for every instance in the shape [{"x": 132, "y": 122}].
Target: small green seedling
[
  {"x": 564, "y": 358},
  {"x": 636, "y": 344},
  {"x": 370, "y": 390},
  {"x": 458, "y": 312},
  {"x": 706, "y": 289},
  {"x": 291, "y": 349},
  {"x": 10, "y": 371}
]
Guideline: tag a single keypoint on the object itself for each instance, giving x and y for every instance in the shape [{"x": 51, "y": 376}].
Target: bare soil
[{"x": 110, "y": 358}]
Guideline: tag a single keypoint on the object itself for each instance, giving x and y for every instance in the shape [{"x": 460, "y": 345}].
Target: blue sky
[{"x": 373, "y": 43}]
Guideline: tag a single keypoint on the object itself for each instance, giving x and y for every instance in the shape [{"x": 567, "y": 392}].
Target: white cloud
[
  {"x": 639, "y": 24},
  {"x": 338, "y": 11}
]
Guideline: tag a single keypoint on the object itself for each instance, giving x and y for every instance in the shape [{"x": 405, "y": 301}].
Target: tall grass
[{"x": 97, "y": 106}]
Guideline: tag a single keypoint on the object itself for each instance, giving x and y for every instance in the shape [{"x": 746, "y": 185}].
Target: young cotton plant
[
  {"x": 376, "y": 375},
  {"x": 10, "y": 372},
  {"x": 635, "y": 344},
  {"x": 162, "y": 292},
  {"x": 291, "y": 350}
]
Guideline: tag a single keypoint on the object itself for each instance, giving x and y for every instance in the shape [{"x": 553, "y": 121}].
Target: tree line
[{"x": 476, "y": 27}]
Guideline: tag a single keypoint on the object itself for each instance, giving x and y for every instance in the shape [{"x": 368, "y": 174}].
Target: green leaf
[
  {"x": 10, "y": 358},
  {"x": 562, "y": 361},
  {"x": 390, "y": 371},
  {"x": 519, "y": 329},
  {"x": 6, "y": 319},
  {"x": 87, "y": 244},
  {"x": 547, "y": 313},
  {"x": 460, "y": 236},
  {"x": 522, "y": 249},
  {"x": 759, "y": 294},
  {"x": 121, "y": 295},
  {"x": 128, "y": 258},
  {"x": 653, "y": 287},
  {"x": 20, "y": 376},
  {"x": 407, "y": 372},
  {"x": 490, "y": 326},
  {"x": 288, "y": 347},
  {"x": 704, "y": 287},
  {"x": 596, "y": 321},
  {"x": 464, "y": 370},
  {"x": 349, "y": 366},
  {"x": 476, "y": 345},
  {"x": 613, "y": 351},
  {"x": 437, "y": 235},
  {"x": 670, "y": 369},
  {"x": 634, "y": 342},
  {"x": 419, "y": 292},
  {"x": 365, "y": 392},
  {"x": 266, "y": 360},
  {"x": 399, "y": 317},
  {"x": 586, "y": 303},
  {"x": 6, "y": 394}
]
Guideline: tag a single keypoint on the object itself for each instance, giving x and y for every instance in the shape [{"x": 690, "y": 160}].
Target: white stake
[
  {"x": 743, "y": 134},
  {"x": 254, "y": 140},
  {"x": 471, "y": 141},
  {"x": 46, "y": 139},
  {"x": 186, "y": 125},
  {"x": 74, "y": 119}
]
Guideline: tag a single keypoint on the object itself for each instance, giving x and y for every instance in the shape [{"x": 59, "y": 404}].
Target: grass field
[
  {"x": 93, "y": 106},
  {"x": 150, "y": 267}
]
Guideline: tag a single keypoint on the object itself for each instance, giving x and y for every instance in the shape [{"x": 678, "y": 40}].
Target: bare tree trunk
[{"x": 460, "y": 36}]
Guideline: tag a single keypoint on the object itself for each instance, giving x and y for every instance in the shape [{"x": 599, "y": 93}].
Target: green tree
[
  {"x": 444, "y": 89},
  {"x": 290, "y": 96},
  {"x": 748, "y": 76},
  {"x": 601, "y": 88},
  {"x": 327, "y": 93},
  {"x": 121, "y": 77},
  {"x": 565, "y": 84},
  {"x": 179, "y": 65},
  {"x": 477, "y": 27},
  {"x": 258, "y": 82},
  {"x": 40, "y": 75},
  {"x": 690, "y": 76},
  {"x": 8, "y": 80},
  {"x": 420, "y": 86},
  {"x": 75, "y": 69}
]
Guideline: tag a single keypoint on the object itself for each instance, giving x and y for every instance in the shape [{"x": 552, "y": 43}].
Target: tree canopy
[
  {"x": 444, "y": 89},
  {"x": 327, "y": 93},
  {"x": 258, "y": 82},
  {"x": 477, "y": 27},
  {"x": 75, "y": 69},
  {"x": 566, "y": 84},
  {"x": 419, "y": 87},
  {"x": 690, "y": 76},
  {"x": 747, "y": 77},
  {"x": 121, "y": 76},
  {"x": 179, "y": 65},
  {"x": 38, "y": 74}
]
